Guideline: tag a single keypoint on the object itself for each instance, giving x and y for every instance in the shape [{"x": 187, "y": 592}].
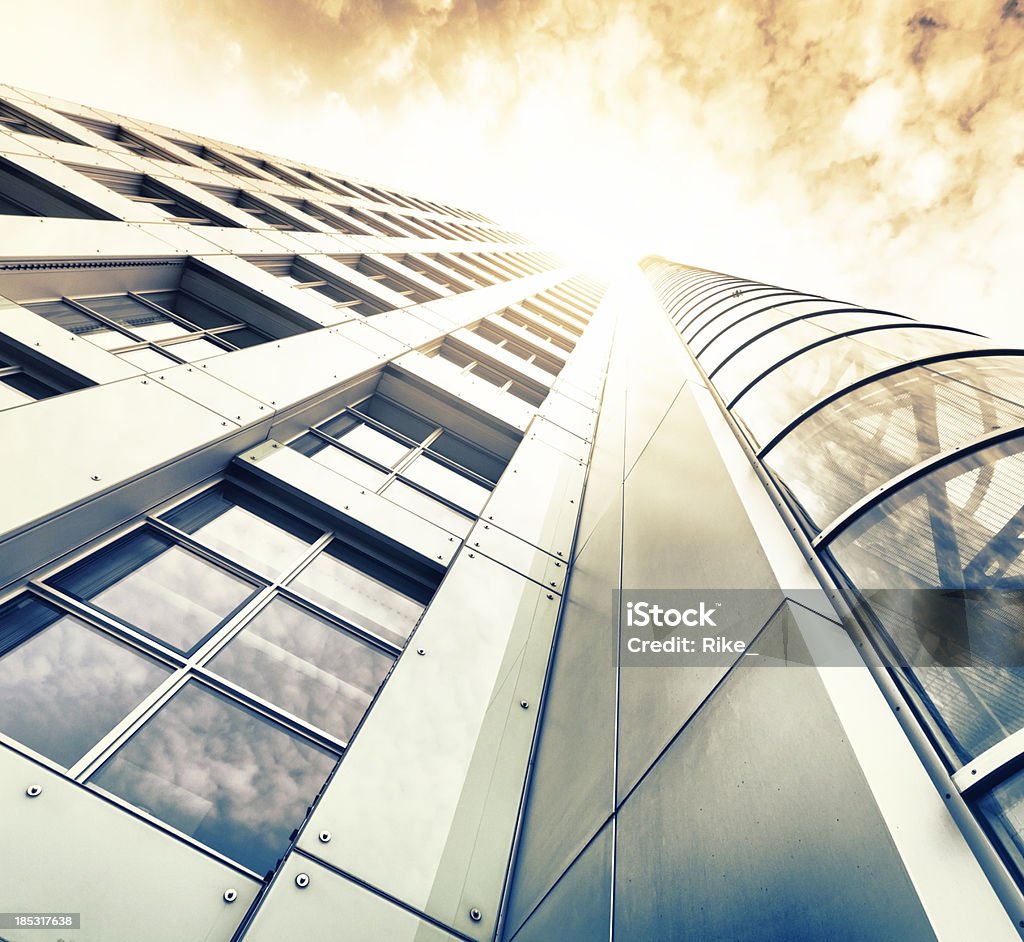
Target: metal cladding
[{"x": 355, "y": 551}]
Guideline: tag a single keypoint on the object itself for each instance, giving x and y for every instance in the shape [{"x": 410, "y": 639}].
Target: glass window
[
  {"x": 376, "y": 445},
  {"x": 397, "y": 418},
  {"x": 305, "y": 665},
  {"x": 355, "y": 469},
  {"x": 246, "y": 530},
  {"x": 869, "y": 436},
  {"x": 198, "y": 349},
  {"x": 160, "y": 588},
  {"x": 423, "y": 505},
  {"x": 939, "y": 564},
  {"x": 63, "y": 684},
  {"x": 340, "y": 581},
  {"x": 447, "y": 483},
  {"x": 220, "y": 773}
]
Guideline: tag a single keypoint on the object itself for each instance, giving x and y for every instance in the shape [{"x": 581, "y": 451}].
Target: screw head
[
  {"x": 525, "y": 704},
  {"x": 302, "y": 880},
  {"x": 421, "y": 651},
  {"x": 34, "y": 791},
  {"x": 94, "y": 477},
  {"x": 475, "y": 914},
  {"x": 230, "y": 895},
  {"x": 325, "y": 837}
]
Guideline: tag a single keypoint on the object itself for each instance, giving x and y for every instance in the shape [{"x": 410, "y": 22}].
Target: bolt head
[
  {"x": 230, "y": 895},
  {"x": 325, "y": 837},
  {"x": 421, "y": 651},
  {"x": 34, "y": 791},
  {"x": 302, "y": 880},
  {"x": 475, "y": 914},
  {"x": 525, "y": 704}
]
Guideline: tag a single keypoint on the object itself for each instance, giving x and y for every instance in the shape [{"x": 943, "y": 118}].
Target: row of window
[
  {"x": 208, "y": 667},
  {"x": 20, "y": 121},
  {"x": 196, "y": 314}
]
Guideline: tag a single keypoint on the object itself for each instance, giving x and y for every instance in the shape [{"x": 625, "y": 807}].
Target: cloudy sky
[{"x": 870, "y": 150}]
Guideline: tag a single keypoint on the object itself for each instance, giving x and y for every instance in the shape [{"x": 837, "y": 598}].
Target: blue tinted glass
[
  {"x": 305, "y": 665},
  {"x": 220, "y": 773},
  {"x": 64, "y": 685},
  {"x": 157, "y": 586}
]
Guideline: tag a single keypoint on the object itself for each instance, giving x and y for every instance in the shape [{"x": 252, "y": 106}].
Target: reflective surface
[
  {"x": 338, "y": 586},
  {"x": 305, "y": 665},
  {"x": 158, "y": 587},
  {"x": 63, "y": 684},
  {"x": 245, "y": 530},
  {"x": 218, "y": 772},
  {"x": 861, "y": 440},
  {"x": 956, "y": 528}
]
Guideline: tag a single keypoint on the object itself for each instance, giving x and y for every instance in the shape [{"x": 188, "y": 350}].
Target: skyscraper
[{"x": 322, "y": 504}]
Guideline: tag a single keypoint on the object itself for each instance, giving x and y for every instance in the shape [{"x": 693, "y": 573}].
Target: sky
[{"x": 866, "y": 150}]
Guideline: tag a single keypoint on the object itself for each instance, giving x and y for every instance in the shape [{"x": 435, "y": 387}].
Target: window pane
[
  {"x": 159, "y": 587},
  {"x": 220, "y": 773},
  {"x": 147, "y": 359},
  {"x": 863, "y": 439},
  {"x": 198, "y": 349},
  {"x": 63, "y": 684},
  {"x": 405, "y": 495},
  {"x": 447, "y": 483},
  {"x": 10, "y": 396},
  {"x": 912, "y": 558},
  {"x": 355, "y": 469},
  {"x": 376, "y": 445},
  {"x": 245, "y": 529},
  {"x": 395, "y": 417},
  {"x": 137, "y": 317},
  {"x": 305, "y": 665},
  {"x": 338, "y": 586},
  {"x": 30, "y": 386},
  {"x": 70, "y": 318},
  {"x": 469, "y": 456},
  {"x": 243, "y": 337}
]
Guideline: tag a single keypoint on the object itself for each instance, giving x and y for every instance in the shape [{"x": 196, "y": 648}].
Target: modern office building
[{"x": 320, "y": 502}]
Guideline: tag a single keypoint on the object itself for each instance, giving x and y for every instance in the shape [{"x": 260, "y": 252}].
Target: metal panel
[
  {"x": 427, "y": 795},
  {"x": 286, "y": 371},
  {"x": 329, "y": 904},
  {"x": 106, "y": 437},
  {"x": 366, "y": 334},
  {"x": 541, "y": 430},
  {"x": 572, "y": 787},
  {"x": 198, "y": 385},
  {"x": 756, "y": 814},
  {"x": 525, "y": 559},
  {"x": 331, "y": 491},
  {"x": 30, "y": 237},
  {"x": 72, "y": 852},
  {"x": 538, "y": 497},
  {"x": 470, "y": 389},
  {"x": 76, "y": 353},
  {"x": 579, "y": 906},
  {"x": 702, "y": 540},
  {"x": 570, "y": 415}
]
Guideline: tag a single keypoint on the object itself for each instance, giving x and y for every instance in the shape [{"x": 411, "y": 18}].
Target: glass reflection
[
  {"x": 861, "y": 440},
  {"x": 157, "y": 586},
  {"x": 939, "y": 565},
  {"x": 220, "y": 773},
  {"x": 447, "y": 483},
  {"x": 335, "y": 584},
  {"x": 425, "y": 506},
  {"x": 63, "y": 684},
  {"x": 305, "y": 665},
  {"x": 245, "y": 530}
]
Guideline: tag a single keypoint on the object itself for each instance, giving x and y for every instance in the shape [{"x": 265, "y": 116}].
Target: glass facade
[{"x": 898, "y": 447}]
